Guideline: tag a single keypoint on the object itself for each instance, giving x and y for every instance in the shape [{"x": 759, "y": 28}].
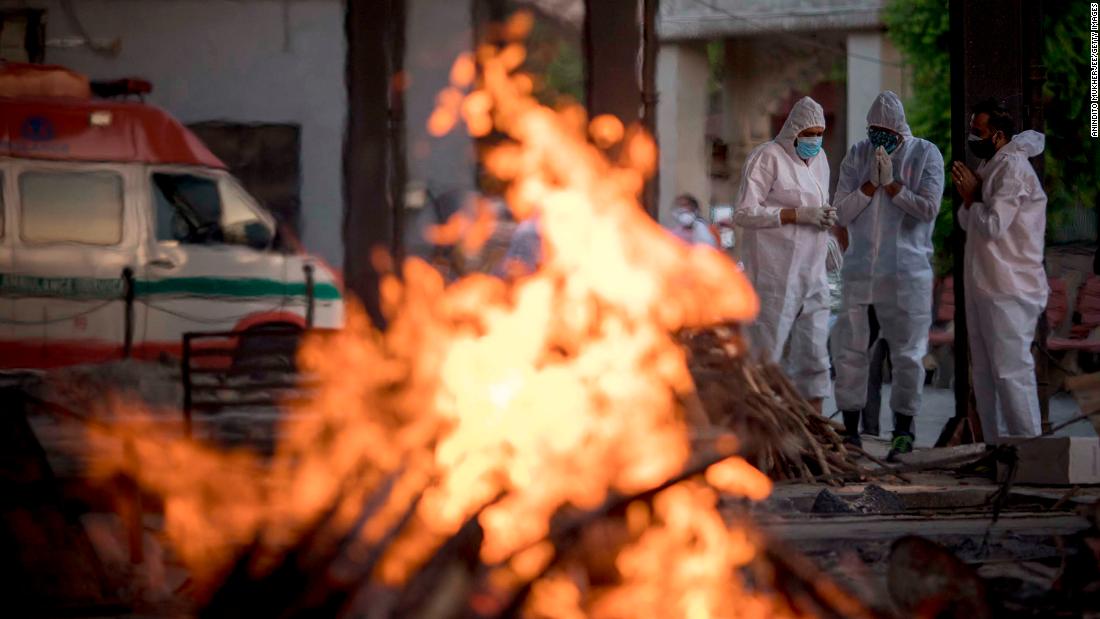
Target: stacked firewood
[
  {"x": 779, "y": 431},
  {"x": 329, "y": 572}
]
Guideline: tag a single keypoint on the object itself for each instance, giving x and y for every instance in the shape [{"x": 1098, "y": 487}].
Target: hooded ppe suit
[
  {"x": 888, "y": 263},
  {"x": 786, "y": 264},
  {"x": 1006, "y": 287}
]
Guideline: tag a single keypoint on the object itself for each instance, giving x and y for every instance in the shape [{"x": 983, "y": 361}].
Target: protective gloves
[
  {"x": 885, "y": 166},
  {"x": 875, "y": 165},
  {"x": 821, "y": 216}
]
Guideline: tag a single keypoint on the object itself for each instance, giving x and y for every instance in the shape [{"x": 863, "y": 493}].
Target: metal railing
[{"x": 240, "y": 369}]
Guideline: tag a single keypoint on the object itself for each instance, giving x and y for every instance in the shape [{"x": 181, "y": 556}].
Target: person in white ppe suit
[
  {"x": 1004, "y": 216},
  {"x": 888, "y": 197},
  {"x": 783, "y": 210}
]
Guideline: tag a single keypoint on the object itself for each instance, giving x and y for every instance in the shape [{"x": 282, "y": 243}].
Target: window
[
  {"x": 79, "y": 207},
  {"x": 195, "y": 210},
  {"x": 22, "y": 35},
  {"x": 188, "y": 208}
]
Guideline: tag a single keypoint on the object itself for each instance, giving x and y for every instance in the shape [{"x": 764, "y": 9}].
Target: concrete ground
[{"x": 938, "y": 405}]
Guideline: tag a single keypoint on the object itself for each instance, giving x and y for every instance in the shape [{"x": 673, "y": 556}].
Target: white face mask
[{"x": 685, "y": 217}]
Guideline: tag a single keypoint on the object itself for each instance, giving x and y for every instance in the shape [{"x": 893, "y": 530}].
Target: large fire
[{"x": 505, "y": 403}]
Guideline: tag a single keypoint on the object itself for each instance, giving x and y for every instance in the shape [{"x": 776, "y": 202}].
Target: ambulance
[{"x": 120, "y": 231}]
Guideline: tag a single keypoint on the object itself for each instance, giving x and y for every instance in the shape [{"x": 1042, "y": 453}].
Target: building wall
[
  {"x": 681, "y": 20},
  {"x": 272, "y": 61},
  {"x": 764, "y": 77}
]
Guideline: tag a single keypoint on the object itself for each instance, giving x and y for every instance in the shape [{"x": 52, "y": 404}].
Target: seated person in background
[{"x": 689, "y": 227}]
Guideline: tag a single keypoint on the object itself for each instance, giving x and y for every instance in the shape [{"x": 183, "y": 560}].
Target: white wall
[{"x": 279, "y": 61}]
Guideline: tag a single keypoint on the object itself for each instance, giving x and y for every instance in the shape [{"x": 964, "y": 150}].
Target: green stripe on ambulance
[{"x": 108, "y": 288}]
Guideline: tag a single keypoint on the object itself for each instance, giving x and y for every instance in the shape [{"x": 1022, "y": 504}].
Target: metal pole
[
  {"x": 128, "y": 324},
  {"x": 1036, "y": 75},
  {"x": 398, "y": 166},
  {"x": 649, "y": 96},
  {"x": 958, "y": 236},
  {"x": 307, "y": 269},
  {"x": 988, "y": 40},
  {"x": 185, "y": 370},
  {"x": 368, "y": 210},
  {"x": 135, "y": 528}
]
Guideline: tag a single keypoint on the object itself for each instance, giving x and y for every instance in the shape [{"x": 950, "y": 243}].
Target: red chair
[
  {"x": 1057, "y": 303},
  {"x": 1083, "y": 335},
  {"x": 943, "y": 332}
]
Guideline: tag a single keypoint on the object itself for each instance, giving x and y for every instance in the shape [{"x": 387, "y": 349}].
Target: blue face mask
[
  {"x": 808, "y": 147},
  {"x": 888, "y": 140}
]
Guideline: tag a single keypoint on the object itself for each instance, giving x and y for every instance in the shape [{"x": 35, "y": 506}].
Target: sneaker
[{"x": 902, "y": 444}]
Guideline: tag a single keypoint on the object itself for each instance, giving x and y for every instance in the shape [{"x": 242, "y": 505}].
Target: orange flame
[{"x": 504, "y": 400}]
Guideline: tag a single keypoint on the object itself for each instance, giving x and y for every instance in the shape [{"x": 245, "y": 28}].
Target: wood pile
[
  {"x": 328, "y": 573},
  {"x": 779, "y": 431}
]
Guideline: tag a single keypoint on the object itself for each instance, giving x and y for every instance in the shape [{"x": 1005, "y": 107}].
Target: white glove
[
  {"x": 819, "y": 216},
  {"x": 830, "y": 213},
  {"x": 885, "y": 167},
  {"x": 875, "y": 165}
]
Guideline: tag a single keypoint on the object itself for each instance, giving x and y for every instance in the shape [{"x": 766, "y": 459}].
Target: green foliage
[
  {"x": 1072, "y": 157},
  {"x": 565, "y": 74},
  {"x": 920, "y": 29},
  {"x": 556, "y": 55}
]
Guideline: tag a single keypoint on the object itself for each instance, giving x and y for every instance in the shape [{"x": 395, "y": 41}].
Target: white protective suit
[
  {"x": 1006, "y": 287},
  {"x": 786, "y": 264},
  {"x": 888, "y": 263},
  {"x": 698, "y": 234}
]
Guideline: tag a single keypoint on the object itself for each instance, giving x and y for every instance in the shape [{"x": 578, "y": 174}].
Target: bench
[{"x": 943, "y": 318}]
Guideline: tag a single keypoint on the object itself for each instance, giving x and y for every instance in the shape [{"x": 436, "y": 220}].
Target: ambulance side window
[
  {"x": 77, "y": 207},
  {"x": 195, "y": 209},
  {"x": 188, "y": 208}
]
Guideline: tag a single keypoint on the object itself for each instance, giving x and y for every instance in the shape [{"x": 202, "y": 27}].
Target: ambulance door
[{"x": 211, "y": 266}]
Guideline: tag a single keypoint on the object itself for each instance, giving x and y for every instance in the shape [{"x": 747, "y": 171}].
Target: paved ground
[{"x": 938, "y": 406}]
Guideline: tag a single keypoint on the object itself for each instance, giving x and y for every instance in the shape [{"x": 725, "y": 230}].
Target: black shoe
[
  {"x": 902, "y": 444},
  {"x": 853, "y": 439}
]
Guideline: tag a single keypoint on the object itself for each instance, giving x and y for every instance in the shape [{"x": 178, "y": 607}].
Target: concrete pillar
[
  {"x": 682, "y": 73},
  {"x": 895, "y": 75},
  {"x": 867, "y": 77},
  {"x": 864, "y": 80}
]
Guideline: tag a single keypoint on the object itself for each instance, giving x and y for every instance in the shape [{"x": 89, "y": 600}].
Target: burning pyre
[{"x": 504, "y": 447}]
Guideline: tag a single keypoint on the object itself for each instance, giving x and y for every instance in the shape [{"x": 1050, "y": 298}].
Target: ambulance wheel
[{"x": 271, "y": 347}]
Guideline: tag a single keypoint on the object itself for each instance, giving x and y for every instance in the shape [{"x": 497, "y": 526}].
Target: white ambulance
[{"x": 120, "y": 232}]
